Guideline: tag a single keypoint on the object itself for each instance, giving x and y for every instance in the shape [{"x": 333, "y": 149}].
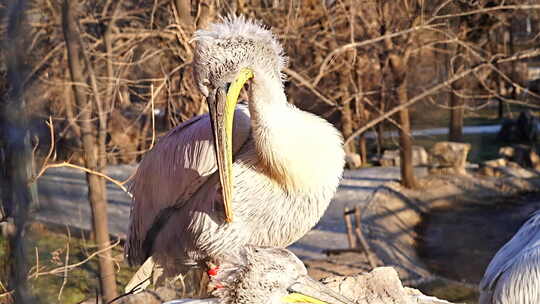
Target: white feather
[{"x": 513, "y": 275}]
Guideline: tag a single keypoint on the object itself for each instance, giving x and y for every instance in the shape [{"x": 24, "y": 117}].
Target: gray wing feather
[
  {"x": 515, "y": 266},
  {"x": 169, "y": 175}
]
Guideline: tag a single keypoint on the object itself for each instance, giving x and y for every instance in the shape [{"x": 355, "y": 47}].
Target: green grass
[{"x": 49, "y": 250}]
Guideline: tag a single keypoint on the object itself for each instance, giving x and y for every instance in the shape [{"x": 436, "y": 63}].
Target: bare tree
[
  {"x": 455, "y": 128},
  {"x": 92, "y": 147},
  {"x": 395, "y": 55},
  {"x": 18, "y": 192}
]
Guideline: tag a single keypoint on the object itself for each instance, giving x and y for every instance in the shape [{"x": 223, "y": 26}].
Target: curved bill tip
[{"x": 307, "y": 290}]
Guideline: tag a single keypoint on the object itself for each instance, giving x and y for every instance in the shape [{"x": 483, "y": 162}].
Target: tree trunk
[
  {"x": 360, "y": 111},
  {"x": 362, "y": 148},
  {"x": 407, "y": 169},
  {"x": 456, "y": 118},
  {"x": 96, "y": 185},
  {"x": 347, "y": 127},
  {"x": 455, "y": 125},
  {"x": 399, "y": 74},
  {"x": 502, "y": 92},
  {"x": 183, "y": 7},
  {"x": 18, "y": 159},
  {"x": 206, "y": 13},
  {"x": 380, "y": 137}
]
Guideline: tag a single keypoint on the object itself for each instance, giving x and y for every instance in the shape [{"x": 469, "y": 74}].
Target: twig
[
  {"x": 64, "y": 281},
  {"x": 360, "y": 236},
  {"x": 37, "y": 258},
  {"x": 490, "y": 9},
  {"x": 46, "y": 166},
  {"x": 51, "y": 150},
  {"x": 365, "y": 248},
  {"x": 110, "y": 179},
  {"x": 348, "y": 224},
  {"x": 6, "y": 293},
  {"x": 345, "y": 47},
  {"x": 308, "y": 85},
  {"x": 153, "y": 114},
  {"x": 72, "y": 266}
]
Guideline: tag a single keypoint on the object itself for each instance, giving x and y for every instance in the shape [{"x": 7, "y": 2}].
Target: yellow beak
[
  {"x": 307, "y": 290},
  {"x": 222, "y": 116}
]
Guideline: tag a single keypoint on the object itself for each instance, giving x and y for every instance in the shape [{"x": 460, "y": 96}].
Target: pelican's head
[
  {"x": 235, "y": 44},
  {"x": 269, "y": 275},
  {"x": 226, "y": 56}
]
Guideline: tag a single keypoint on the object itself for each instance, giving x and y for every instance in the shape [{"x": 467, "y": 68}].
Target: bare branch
[
  {"x": 345, "y": 47},
  {"x": 490, "y": 9},
  {"x": 436, "y": 88},
  {"x": 304, "y": 82}
]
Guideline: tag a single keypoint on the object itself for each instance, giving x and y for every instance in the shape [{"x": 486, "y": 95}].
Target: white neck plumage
[{"x": 298, "y": 150}]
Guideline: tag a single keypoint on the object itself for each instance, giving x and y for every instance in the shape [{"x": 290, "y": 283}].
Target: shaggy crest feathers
[{"x": 238, "y": 28}]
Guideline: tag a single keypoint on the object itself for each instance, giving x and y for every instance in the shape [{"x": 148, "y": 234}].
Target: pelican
[
  {"x": 265, "y": 275},
  {"x": 513, "y": 275},
  {"x": 261, "y": 172}
]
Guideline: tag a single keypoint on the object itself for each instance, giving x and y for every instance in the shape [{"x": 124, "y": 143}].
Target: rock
[
  {"x": 392, "y": 158},
  {"x": 507, "y": 152},
  {"x": 523, "y": 129},
  {"x": 448, "y": 157},
  {"x": 490, "y": 171},
  {"x": 353, "y": 160},
  {"x": 512, "y": 164},
  {"x": 143, "y": 297},
  {"x": 420, "y": 156},
  {"x": 523, "y": 155},
  {"x": 380, "y": 286},
  {"x": 499, "y": 162},
  {"x": 493, "y": 167}
]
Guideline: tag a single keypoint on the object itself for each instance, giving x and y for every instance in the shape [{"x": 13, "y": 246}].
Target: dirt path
[{"x": 63, "y": 201}]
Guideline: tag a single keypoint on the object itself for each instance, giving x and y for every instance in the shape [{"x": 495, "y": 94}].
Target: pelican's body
[
  {"x": 513, "y": 275},
  {"x": 286, "y": 168}
]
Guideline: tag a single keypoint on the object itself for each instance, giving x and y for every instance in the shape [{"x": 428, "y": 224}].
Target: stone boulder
[
  {"x": 524, "y": 155},
  {"x": 353, "y": 160},
  {"x": 448, "y": 157},
  {"x": 493, "y": 167},
  {"x": 391, "y": 158},
  {"x": 380, "y": 286}
]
